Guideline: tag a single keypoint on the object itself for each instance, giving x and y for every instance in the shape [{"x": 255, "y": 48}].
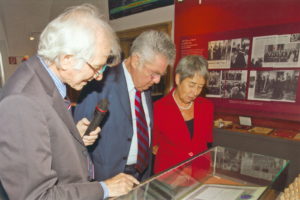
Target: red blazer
[{"x": 172, "y": 135}]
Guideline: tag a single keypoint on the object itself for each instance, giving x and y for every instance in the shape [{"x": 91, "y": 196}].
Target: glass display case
[{"x": 217, "y": 174}]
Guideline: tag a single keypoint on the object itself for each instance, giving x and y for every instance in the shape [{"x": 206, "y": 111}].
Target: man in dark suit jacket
[
  {"x": 42, "y": 152},
  {"x": 117, "y": 149}
]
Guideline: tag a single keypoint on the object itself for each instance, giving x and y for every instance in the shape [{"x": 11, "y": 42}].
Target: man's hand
[
  {"x": 120, "y": 184},
  {"x": 82, "y": 125}
]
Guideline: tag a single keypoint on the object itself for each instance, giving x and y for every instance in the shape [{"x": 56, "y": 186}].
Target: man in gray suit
[
  {"x": 118, "y": 148},
  {"x": 42, "y": 152}
]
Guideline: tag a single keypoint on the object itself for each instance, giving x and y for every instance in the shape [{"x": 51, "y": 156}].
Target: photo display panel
[{"x": 252, "y": 71}]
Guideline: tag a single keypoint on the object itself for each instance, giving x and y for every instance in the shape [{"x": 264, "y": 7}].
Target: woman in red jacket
[{"x": 183, "y": 121}]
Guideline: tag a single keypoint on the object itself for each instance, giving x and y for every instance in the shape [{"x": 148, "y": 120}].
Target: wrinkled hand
[
  {"x": 120, "y": 184},
  {"x": 90, "y": 139}
]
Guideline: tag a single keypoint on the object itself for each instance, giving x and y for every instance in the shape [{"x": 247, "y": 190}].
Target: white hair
[
  {"x": 150, "y": 43},
  {"x": 74, "y": 33}
]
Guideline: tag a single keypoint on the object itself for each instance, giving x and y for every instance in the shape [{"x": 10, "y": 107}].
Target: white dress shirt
[{"x": 132, "y": 157}]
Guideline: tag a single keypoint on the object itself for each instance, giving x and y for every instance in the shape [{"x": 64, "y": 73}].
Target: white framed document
[{"x": 228, "y": 192}]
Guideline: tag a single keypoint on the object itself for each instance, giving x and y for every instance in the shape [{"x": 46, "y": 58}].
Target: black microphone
[{"x": 100, "y": 112}]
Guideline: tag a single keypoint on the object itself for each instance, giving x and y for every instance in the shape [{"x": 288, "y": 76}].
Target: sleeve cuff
[{"x": 105, "y": 189}]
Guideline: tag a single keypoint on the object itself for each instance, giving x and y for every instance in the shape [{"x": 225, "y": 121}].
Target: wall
[
  {"x": 2, "y": 32},
  {"x": 211, "y": 16},
  {"x": 223, "y": 19},
  {"x": 3, "y": 49},
  {"x": 52, "y": 8}
]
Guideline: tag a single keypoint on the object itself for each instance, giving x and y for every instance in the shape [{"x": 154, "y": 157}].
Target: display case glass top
[{"x": 219, "y": 173}]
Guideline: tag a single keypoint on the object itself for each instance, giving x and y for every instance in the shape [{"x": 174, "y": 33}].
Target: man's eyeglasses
[
  {"x": 153, "y": 75},
  {"x": 98, "y": 70}
]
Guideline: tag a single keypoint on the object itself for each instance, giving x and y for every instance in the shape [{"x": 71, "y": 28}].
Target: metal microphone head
[{"x": 102, "y": 106}]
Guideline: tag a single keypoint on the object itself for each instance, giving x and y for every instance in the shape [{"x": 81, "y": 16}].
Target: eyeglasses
[
  {"x": 153, "y": 75},
  {"x": 98, "y": 70}
]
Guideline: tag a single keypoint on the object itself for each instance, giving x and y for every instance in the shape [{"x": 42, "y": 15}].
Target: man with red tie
[{"x": 125, "y": 143}]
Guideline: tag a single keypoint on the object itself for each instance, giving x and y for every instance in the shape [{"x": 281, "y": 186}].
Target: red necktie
[
  {"x": 142, "y": 134},
  {"x": 67, "y": 103}
]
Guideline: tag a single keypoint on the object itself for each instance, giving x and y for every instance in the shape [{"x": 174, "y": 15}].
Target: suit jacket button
[
  {"x": 125, "y": 158},
  {"x": 129, "y": 139},
  {"x": 191, "y": 154}
]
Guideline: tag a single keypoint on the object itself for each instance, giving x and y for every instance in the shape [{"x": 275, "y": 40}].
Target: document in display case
[{"x": 217, "y": 174}]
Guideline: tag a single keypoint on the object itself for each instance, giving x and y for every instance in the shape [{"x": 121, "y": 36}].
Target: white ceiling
[{"x": 22, "y": 17}]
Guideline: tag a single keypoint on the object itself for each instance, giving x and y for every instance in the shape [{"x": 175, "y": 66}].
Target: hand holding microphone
[
  {"x": 90, "y": 134},
  {"x": 100, "y": 112}
]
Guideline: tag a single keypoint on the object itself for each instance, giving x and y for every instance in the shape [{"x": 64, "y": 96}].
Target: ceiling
[{"x": 20, "y": 18}]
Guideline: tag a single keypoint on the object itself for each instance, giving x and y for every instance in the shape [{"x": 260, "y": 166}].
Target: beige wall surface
[{"x": 19, "y": 18}]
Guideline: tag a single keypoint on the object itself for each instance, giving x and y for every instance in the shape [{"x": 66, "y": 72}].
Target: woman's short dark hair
[{"x": 190, "y": 65}]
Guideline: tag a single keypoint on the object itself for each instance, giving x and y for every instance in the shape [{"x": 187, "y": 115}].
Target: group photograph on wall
[
  {"x": 227, "y": 84},
  {"x": 250, "y": 71},
  {"x": 231, "y": 76},
  {"x": 225, "y": 54},
  {"x": 276, "y": 85},
  {"x": 276, "y": 51}
]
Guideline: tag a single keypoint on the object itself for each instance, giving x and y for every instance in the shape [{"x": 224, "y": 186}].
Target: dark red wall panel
[{"x": 227, "y": 19}]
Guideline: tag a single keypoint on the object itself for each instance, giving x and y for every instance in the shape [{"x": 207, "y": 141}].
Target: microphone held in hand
[{"x": 100, "y": 112}]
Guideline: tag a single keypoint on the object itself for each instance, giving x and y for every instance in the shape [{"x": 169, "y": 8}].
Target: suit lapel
[
  {"x": 122, "y": 91},
  {"x": 57, "y": 100},
  {"x": 65, "y": 115}
]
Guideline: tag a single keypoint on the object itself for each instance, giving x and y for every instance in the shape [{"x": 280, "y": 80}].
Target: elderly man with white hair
[{"x": 43, "y": 153}]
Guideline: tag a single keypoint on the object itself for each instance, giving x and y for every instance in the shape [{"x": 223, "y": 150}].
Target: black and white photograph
[
  {"x": 259, "y": 166},
  {"x": 226, "y": 54},
  {"x": 250, "y": 164},
  {"x": 276, "y": 51},
  {"x": 288, "y": 53},
  {"x": 295, "y": 37},
  {"x": 229, "y": 159},
  {"x": 275, "y": 85},
  {"x": 214, "y": 84},
  {"x": 239, "y": 53},
  {"x": 233, "y": 84},
  {"x": 227, "y": 84},
  {"x": 219, "y": 54}
]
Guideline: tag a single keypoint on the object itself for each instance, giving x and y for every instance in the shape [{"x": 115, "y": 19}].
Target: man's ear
[
  {"x": 135, "y": 60},
  {"x": 177, "y": 79},
  {"x": 66, "y": 61}
]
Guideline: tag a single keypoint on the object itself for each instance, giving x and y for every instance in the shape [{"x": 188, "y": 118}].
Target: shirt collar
[
  {"x": 58, "y": 83},
  {"x": 129, "y": 81}
]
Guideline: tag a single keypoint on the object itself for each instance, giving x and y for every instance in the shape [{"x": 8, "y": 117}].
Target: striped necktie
[
  {"x": 67, "y": 103},
  {"x": 142, "y": 134}
]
